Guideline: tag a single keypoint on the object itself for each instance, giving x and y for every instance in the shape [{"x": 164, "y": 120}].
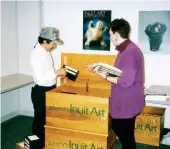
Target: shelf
[{"x": 15, "y": 81}]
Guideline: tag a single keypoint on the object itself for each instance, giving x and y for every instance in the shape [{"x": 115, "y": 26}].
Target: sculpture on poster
[
  {"x": 153, "y": 32},
  {"x": 96, "y": 30}
]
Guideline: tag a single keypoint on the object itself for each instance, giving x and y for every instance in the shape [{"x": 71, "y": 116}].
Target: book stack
[
  {"x": 77, "y": 119},
  {"x": 107, "y": 69},
  {"x": 32, "y": 142},
  {"x": 156, "y": 93}
]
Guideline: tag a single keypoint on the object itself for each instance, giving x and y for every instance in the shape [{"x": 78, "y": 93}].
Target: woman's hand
[
  {"x": 102, "y": 75},
  {"x": 91, "y": 67}
]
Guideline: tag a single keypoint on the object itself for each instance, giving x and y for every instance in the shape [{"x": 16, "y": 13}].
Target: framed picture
[
  {"x": 154, "y": 32},
  {"x": 96, "y": 30}
]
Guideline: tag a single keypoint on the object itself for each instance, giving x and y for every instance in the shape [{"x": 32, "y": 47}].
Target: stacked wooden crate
[
  {"x": 79, "y": 120},
  {"x": 77, "y": 113},
  {"x": 81, "y": 109}
]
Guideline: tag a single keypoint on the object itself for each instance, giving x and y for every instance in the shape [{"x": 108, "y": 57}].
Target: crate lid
[
  {"x": 153, "y": 110},
  {"x": 79, "y": 61}
]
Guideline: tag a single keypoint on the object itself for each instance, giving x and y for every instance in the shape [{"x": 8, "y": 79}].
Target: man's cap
[{"x": 51, "y": 33}]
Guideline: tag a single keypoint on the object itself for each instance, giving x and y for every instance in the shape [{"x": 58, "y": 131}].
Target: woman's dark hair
[
  {"x": 40, "y": 40},
  {"x": 121, "y": 26}
]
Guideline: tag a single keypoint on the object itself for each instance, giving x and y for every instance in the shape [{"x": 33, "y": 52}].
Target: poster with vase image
[{"x": 154, "y": 32}]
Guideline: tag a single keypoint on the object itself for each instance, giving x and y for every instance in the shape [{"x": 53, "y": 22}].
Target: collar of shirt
[
  {"x": 41, "y": 49},
  {"x": 123, "y": 45}
]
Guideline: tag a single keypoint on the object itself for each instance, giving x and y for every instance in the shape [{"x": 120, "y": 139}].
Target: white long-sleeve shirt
[{"x": 42, "y": 67}]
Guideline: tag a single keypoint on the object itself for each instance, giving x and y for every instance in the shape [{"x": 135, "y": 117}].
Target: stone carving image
[
  {"x": 96, "y": 30},
  {"x": 155, "y": 33},
  {"x": 95, "y": 33}
]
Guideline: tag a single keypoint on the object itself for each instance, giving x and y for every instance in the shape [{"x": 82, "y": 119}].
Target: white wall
[
  {"x": 9, "y": 47},
  {"x": 25, "y": 23},
  {"x": 21, "y": 23},
  {"x": 29, "y": 24},
  {"x": 68, "y": 17},
  {"x": 9, "y": 56}
]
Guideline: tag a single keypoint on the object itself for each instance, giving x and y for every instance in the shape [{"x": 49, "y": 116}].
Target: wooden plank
[
  {"x": 82, "y": 111},
  {"x": 58, "y": 138},
  {"x": 78, "y": 61},
  {"x": 76, "y": 90},
  {"x": 150, "y": 110}
]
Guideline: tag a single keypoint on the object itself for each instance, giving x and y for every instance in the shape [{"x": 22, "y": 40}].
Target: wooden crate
[
  {"x": 83, "y": 111},
  {"x": 60, "y": 103},
  {"x": 59, "y": 138},
  {"x": 149, "y": 125},
  {"x": 79, "y": 61}
]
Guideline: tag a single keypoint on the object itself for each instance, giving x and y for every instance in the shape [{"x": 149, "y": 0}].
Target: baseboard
[
  {"x": 26, "y": 113},
  {"x": 9, "y": 116}
]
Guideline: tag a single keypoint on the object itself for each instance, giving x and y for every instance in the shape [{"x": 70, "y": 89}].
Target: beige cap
[{"x": 51, "y": 33}]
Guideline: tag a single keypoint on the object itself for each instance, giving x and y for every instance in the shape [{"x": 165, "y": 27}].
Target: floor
[{"x": 14, "y": 130}]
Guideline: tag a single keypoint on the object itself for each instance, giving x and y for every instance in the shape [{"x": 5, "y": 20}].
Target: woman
[{"x": 127, "y": 91}]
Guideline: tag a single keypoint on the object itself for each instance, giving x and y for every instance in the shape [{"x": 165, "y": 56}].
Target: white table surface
[{"x": 15, "y": 81}]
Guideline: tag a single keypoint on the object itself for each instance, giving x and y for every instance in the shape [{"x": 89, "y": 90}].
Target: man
[{"x": 44, "y": 75}]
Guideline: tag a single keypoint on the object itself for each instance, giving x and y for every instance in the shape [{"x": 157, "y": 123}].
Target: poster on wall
[
  {"x": 96, "y": 30},
  {"x": 154, "y": 32}
]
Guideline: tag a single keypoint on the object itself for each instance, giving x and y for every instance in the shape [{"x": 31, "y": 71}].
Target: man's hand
[{"x": 61, "y": 72}]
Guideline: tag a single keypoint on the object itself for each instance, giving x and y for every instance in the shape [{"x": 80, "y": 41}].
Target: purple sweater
[{"x": 127, "y": 96}]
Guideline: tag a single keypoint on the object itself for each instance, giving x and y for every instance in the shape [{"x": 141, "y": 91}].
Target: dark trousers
[
  {"x": 39, "y": 104},
  {"x": 124, "y": 129}
]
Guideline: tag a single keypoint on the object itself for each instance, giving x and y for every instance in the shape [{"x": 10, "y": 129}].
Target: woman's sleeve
[{"x": 128, "y": 71}]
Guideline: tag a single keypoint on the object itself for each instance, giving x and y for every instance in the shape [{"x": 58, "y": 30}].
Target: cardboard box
[
  {"x": 20, "y": 145},
  {"x": 149, "y": 125},
  {"x": 59, "y": 138},
  {"x": 75, "y": 108}
]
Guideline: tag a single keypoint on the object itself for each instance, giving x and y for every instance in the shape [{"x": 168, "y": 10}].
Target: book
[
  {"x": 157, "y": 93},
  {"x": 159, "y": 89},
  {"x": 107, "y": 69},
  {"x": 71, "y": 73},
  {"x": 32, "y": 142}
]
